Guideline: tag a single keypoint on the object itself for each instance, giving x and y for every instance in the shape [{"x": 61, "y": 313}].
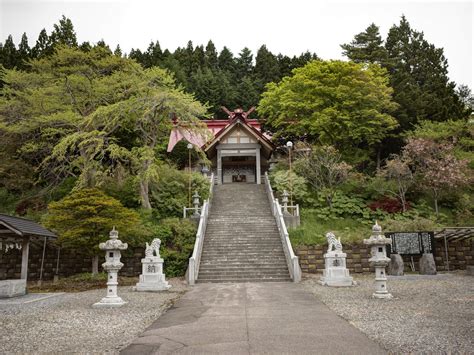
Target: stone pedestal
[
  {"x": 396, "y": 265},
  {"x": 470, "y": 270},
  {"x": 152, "y": 277},
  {"x": 427, "y": 264},
  {"x": 12, "y": 288},
  {"x": 335, "y": 272}
]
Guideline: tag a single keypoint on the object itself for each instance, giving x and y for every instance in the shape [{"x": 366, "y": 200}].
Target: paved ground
[{"x": 251, "y": 318}]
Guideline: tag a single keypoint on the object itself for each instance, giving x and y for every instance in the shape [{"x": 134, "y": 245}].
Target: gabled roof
[
  {"x": 22, "y": 227},
  {"x": 216, "y": 128},
  {"x": 242, "y": 123}
]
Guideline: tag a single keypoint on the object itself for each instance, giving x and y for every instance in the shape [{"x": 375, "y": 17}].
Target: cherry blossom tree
[{"x": 436, "y": 167}]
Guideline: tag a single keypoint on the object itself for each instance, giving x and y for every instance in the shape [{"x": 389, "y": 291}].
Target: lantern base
[{"x": 110, "y": 302}]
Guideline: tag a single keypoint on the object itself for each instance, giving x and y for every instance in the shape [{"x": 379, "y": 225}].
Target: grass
[
  {"x": 313, "y": 229},
  {"x": 78, "y": 283}
]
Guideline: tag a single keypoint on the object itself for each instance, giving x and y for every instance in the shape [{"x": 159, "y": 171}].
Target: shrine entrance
[{"x": 239, "y": 169}]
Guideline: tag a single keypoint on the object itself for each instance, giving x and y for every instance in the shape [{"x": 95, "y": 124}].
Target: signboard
[{"x": 411, "y": 243}]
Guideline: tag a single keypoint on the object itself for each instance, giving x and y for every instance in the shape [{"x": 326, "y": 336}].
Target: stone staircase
[{"x": 242, "y": 243}]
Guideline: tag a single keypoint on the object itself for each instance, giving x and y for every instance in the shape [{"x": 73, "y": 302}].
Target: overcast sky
[{"x": 286, "y": 26}]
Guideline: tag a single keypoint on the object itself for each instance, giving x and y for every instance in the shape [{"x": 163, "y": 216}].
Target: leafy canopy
[
  {"x": 84, "y": 218},
  {"x": 343, "y": 104}
]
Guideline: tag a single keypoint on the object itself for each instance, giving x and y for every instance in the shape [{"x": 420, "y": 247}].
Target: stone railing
[
  {"x": 291, "y": 258},
  {"x": 195, "y": 259}
]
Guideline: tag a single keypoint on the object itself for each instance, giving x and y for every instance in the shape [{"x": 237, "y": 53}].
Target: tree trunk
[
  {"x": 144, "y": 187},
  {"x": 379, "y": 154},
  {"x": 436, "y": 205},
  {"x": 95, "y": 264}
]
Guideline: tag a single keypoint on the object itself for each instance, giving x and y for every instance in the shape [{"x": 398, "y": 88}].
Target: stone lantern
[
  {"x": 196, "y": 203},
  {"x": 284, "y": 199},
  {"x": 112, "y": 265},
  {"x": 379, "y": 260}
]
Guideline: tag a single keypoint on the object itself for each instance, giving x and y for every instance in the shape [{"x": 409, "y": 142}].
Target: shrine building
[{"x": 237, "y": 148}]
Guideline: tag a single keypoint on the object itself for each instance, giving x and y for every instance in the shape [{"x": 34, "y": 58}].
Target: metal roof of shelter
[
  {"x": 455, "y": 234},
  {"x": 22, "y": 227}
]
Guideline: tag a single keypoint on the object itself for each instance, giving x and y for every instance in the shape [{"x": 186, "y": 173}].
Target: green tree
[
  {"x": 42, "y": 46},
  {"x": 367, "y": 47},
  {"x": 63, "y": 33},
  {"x": 267, "y": 68},
  {"x": 9, "y": 54},
  {"x": 24, "y": 52},
  {"x": 343, "y": 104},
  {"x": 244, "y": 63},
  {"x": 419, "y": 77},
  {"x": 324, "y": 170},
  {"x": 84, "y": 219},
  {"x": 210, "y": 54},
  {"x": 226, "y": 60}
]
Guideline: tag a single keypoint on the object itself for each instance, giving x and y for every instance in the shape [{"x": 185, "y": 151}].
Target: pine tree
[
  {"x": 419, "y": 77},
  {"x": 153, "y": 55},
  {"x": 24, "y": 52},
  {"x": 211, "y": 55},
  {"x": 118, "y": 51},
  {"x": 10, "y": 53},
  {"x": 267, "y": 68},
  {"x": 244, "y": 63},
  {"x": 85, "y": 46},
  {"x": 64, "y": 33},
  {"x": 226, "y": 60},
  {"x": 42, "y": 46},
  {"x": 366, "y": 47}
]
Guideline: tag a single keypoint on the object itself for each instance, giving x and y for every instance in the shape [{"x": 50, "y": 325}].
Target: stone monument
[
  {"x": 427, "y": 264},
  {"x": 152, "y": 277},
  {"x": 379, "y": 260},
  {"x": 112, "y": 265},
  {"x": 335, "y": 272},
  {"x": 396, "y": 266}
]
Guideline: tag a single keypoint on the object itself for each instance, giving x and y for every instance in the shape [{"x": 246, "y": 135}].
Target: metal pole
[
  {"x": 40, "y": 281},
  {"x": 189, "y": 166},
  {"x": 446, "y": 252},
  {"x": 56, "y": 276},
  {"x": 291, "y": 181}
]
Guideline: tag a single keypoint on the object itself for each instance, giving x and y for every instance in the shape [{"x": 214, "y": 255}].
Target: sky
[{"x": 286, "y": 26}]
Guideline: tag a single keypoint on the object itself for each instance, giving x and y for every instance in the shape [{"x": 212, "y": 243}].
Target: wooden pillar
[
  {"x": 258, "y": 173},
  {"x": 219, "y": 167},
  {"x": 25, "y": 249}
]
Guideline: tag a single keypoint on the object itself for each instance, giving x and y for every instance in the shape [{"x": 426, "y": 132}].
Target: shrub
[
  {"x": 342, "y": 206},
  {"x": 389, "y": 205},
  {"x": 170, "y": 193},
  {"x": 281, "y": 181}
]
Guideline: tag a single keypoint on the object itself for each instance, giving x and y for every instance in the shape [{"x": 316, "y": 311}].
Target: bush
[
  {"x": 280, "y": 181},
  {"x": 342, "y": 207},
  {"x": 170, "y": 193},
  {"x": 389, "y": 205}
]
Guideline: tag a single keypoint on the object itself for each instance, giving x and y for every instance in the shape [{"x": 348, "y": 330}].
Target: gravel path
[
  {"x": 68, "y": 323},
  {"x": 427, "y": 314}
]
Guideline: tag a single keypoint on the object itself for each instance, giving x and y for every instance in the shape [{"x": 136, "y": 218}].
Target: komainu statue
[
  {"x": 153, "y": 248},
  {"x": 333, "y": 243}
]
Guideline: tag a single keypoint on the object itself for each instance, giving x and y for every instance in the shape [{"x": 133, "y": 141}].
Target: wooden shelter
[{"x": 20, "y": 230}]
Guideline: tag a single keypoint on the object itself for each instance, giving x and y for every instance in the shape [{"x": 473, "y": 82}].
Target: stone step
[{"x": 234, "y": 279}]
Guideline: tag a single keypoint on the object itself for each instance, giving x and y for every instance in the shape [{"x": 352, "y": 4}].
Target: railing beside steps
[
  {"x": 195, "y": 259},
  {"x": 291, "y": 258}
]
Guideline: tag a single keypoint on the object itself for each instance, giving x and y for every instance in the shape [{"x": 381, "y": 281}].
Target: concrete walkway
[{"x": 251, "y": 318}]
